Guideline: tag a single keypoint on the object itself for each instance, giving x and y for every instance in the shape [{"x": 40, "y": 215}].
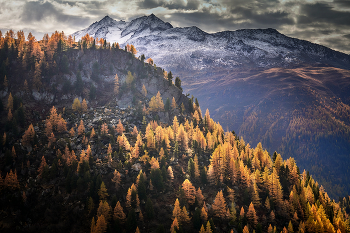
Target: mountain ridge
[{"x": 264, "y": 47}]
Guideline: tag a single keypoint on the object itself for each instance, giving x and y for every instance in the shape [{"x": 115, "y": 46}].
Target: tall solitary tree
[{"x": 219, "y": 206}]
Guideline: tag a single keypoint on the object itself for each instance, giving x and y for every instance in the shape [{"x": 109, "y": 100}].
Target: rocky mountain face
[
  {"x": 192, "y": 49},
  {"x": 290, "y": 94}
]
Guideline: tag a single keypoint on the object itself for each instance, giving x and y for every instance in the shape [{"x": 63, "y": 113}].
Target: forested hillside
[{"x": 96, "y": 140}]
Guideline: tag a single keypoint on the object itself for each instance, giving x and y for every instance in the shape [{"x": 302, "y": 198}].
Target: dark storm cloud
[
  {"x": 338, "y": 43},
  {"x": 342, "y": 3},
  {"x": 323, "y": 13},
  {"x": 173, "y": 4},
  {"x": 269, "y": 18},
  {"x": 347, "y": 36},
  {"x": 39, "y": 11},
  {"x": 149, "y": 4}
]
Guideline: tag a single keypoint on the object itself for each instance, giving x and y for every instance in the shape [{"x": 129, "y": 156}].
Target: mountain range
[{"x": 290, "y": 94}]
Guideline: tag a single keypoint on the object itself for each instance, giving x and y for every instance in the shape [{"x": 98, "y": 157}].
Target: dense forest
[{"x": 96, "y": 139}]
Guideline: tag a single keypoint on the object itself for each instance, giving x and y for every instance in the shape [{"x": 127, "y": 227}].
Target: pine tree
[
  {"x": 202, "y": 229},
  {"x": 208, "y": 228},
  {"x": 104, "y": 129},
  {"x": 92, "y": 133},
  {"x": 120, "y": 127},
  {"x": 101, "y": 224},
  {"x": 72, "y": 132},
  {"x": 173, "y": 104},
  {"x": 104, "y": 209},
  {"x": 245, "y": 229},
  {"x": 177, "y": 210},
  {"x": 48, "y": 129},
  {"x": 129, "y": 78},
  {"x": 43, "y": 165},
  {"x": 62, "y": 125},
  {"x": 241, "y": 213},
  {"x": 116, "y": 179},
  {"x": 184, "y": 216},
  {"x": 93, "y": 226},
  {"x": 102, "y": 192},
  {"x": 204, "y": 215},
  {"x": 174, "y": 226},
  {"x": 28, "y": 136},
  {"x": 219, "y": 206},
  {"x": 76, "y": 106},
  {"x": 11, "y": 180},
  {"x": 81, "y": 128},
  {"x": 84, "y": 105},
  {"x": 144, "y": 90},
  {"x": 190, "y": 191},
  {"x": 251, "y": 215},
  {"x": 53, "y": 118},
  {"x": 135, "y": 131},
  {"x": 119, "y": 213},
  {"x": 10, "y": 102},
  {"x": 199, "y": 196},
  {"x": 149, "y": 209},
  {"x": 196, "y": 167},
  {"x": 290, "y": 227},
  {"x": 170, "y": 174}
]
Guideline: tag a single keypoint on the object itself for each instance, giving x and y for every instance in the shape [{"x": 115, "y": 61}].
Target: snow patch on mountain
[{"x": 190, "y": 48}]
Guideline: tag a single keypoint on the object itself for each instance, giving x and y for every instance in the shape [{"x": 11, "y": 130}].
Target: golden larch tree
[
  {"x": 81, "y": 128},
  {"x": 102, "y": 192},
  {"x": 53, "y": 118},
  {"x": 92, "y": 133},
  {"x": 190, "y": 191},
  {"x": 174, "y": 226},
  {"x": 184, "y": 216},
  {"x": 119, "y": 213},
  {"x": 28, "y": 136},
  {"x": 11, "y": 181},
  {"x": 199, "y": 196},
  {"x": 135, "y": 132},
  {"x": 62, "y": 125},
  {"x": 76, "y": 106},
  {"x": 251, "y": 215},
  {"x": 104, "y": 129},
  {"x": 10, "y": 102},
  {"x": 104, "y": 209},
  {"x": 208, "y": 228},
  {"x": 72, "y": 132},
  {"x": 101, "y": 224},
  {"x": 204, "y": 214},
  {"x": 116, "y": 179},
  {"x": 144, "y": 90},
  {"x": 173, "y": 103},
  {"x": 219, "y": 206},
  {"x": 176, "y": 210},
  {"x": 170, "y": 173},
  {"x": 245, "y": 229},
  {"x": 84, "y": 105},
  {"x": 120, "y": 127}
]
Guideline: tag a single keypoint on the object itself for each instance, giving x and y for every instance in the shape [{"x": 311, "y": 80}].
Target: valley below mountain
[{"x": 301, "y": 112}]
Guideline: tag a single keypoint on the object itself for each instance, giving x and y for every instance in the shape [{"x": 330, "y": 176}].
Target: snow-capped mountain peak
[{"x": 190, "y": 48}]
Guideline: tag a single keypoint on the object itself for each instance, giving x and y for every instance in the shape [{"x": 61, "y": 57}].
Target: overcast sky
[{"x": 322, "y": 22}]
